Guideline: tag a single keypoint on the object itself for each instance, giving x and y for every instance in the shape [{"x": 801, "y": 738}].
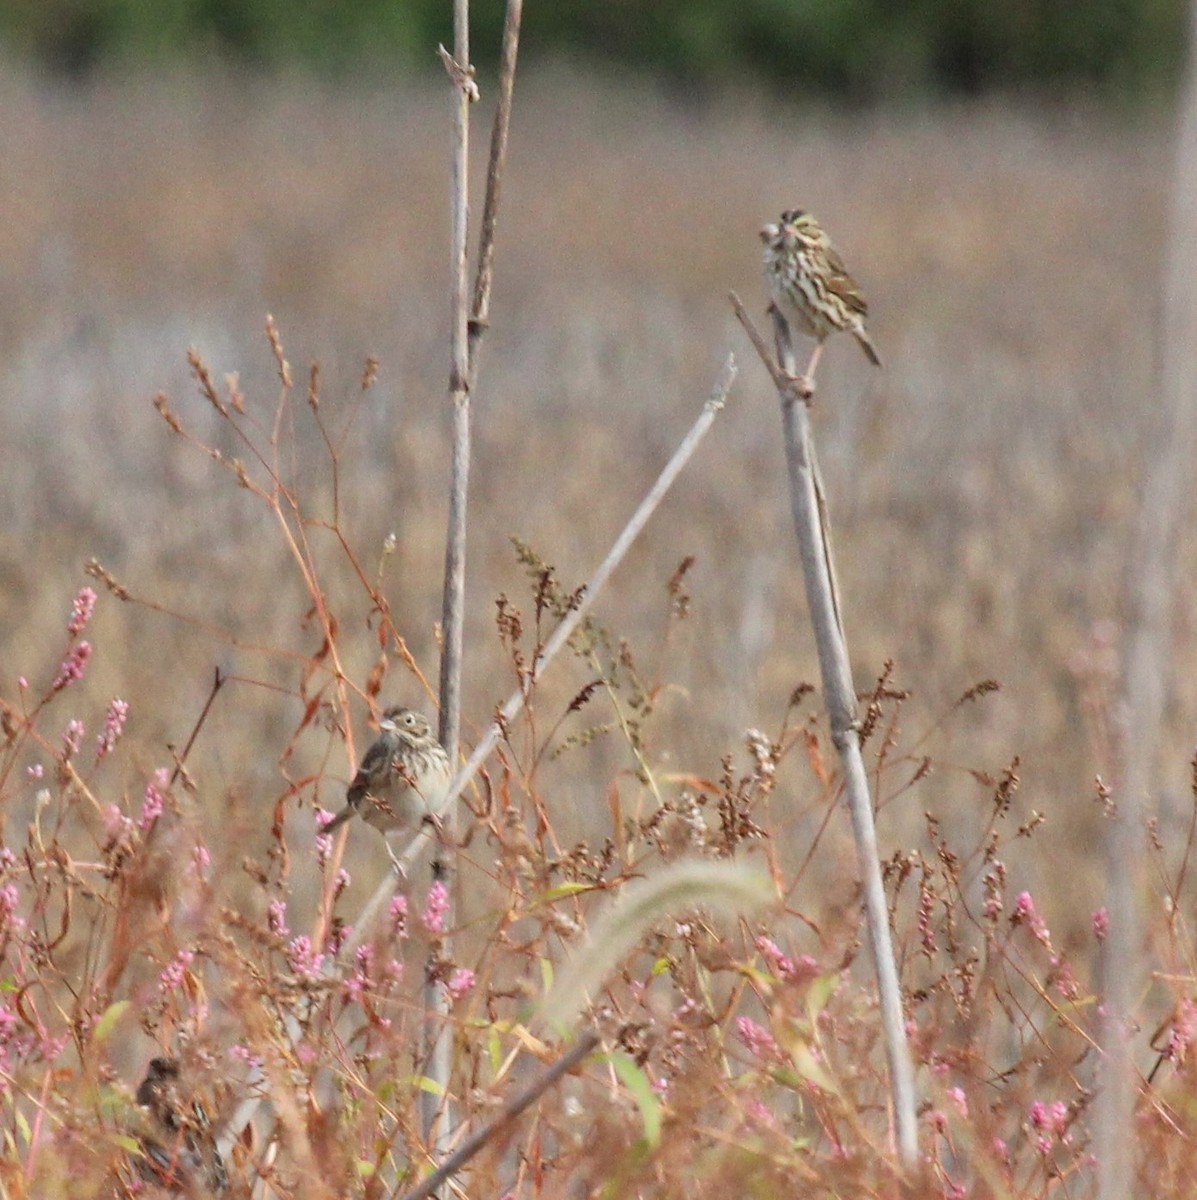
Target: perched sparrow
[
  {"x": 402, "y": 777},
  {"x": 811, "y": 286},
  {"x": 178, "y": 1147}
]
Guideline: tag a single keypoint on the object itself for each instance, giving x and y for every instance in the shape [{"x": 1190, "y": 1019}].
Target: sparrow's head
[
  {"x": 794, "y": 225},
  {"x": 406, "y": 722},
  {"x": 157, "y": 1076},
  {"x": 162, "y": 1068}
]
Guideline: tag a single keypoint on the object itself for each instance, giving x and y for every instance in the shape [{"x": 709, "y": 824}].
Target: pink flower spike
[
  {"x": 757, "y": 1038},
  {"x": 1101, "y": 923},
  {"x": 781, "y": 964},
  {"x": 114, "y": 723},
  {"x": 81, "y": 610},
  {"x": 155, "y": 799},
  {"x": 72, "y": 739},
  {"x": 1025, "y": 913},
  {"x": 460, "y": 982},
  {"x": 276, "y": 918},
  {"x": 72, "y": 666},
  {"x": 174, "y": 972},
  {"x": 398, "y": 914},
  {"x": 303, "y": 959},
  {"x": 435, "y": 908}
]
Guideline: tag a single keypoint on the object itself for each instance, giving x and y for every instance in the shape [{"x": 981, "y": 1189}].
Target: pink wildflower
[
  {"x": 1025, "y": 913},
  {"x": 757, "y": 1038},
  {"x": 398, "y": 914},
  {"x": 303, "y": 960},
  {"x": 772, "y": 952},
  {"x": 435, "y": 908},
  {"x": 276, "y": 918},
  {"x": 72, "y": 739},
  {"x": 114, "y": 723},
  {"x": 81, "y": 610},
  {"x": 175, "y": 971},
  {"x": 155, "y": 799},
  {"x": 460, "y": 982},
  {"x": 72, "y": 666}
]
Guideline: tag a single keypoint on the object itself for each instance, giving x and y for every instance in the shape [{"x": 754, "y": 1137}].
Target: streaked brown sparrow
[
  {"x": 178, "y": 1144},
  {"x": 811, "y": 286},
  {"x": 402, "y": 777}
]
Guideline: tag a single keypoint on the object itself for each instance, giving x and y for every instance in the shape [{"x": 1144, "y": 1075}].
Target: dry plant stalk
[
  {"x": 809, "y": 509},
  {"x": 1151, "y": 591},
  {"x": 465, "y": 333}
]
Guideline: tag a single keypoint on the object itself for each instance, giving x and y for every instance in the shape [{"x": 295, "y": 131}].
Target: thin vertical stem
[
  {"x": 809, "y": 507},
  {"x": 1151, "y": 586},
  {"x": 480, "y": 319},
  {"x": 437, "y": 1118}
]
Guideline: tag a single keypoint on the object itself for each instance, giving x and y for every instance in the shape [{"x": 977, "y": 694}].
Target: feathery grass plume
[{"x": 727, "y": 888}]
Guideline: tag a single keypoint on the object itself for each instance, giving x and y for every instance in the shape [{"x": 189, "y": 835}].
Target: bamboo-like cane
[{"x": 809, "y": 507}]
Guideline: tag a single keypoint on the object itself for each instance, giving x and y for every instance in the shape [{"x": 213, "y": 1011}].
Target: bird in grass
[
  {"x": 811, "y": 287},
  {"x": 402, "y": 777},
  {"x": 177, "y": 1143}
]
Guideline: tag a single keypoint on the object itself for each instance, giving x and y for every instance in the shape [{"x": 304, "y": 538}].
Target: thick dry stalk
[
  {"x": 809, "y": 508},
  {"x": 434, "y": 1103},
  {"x": 516, "y": 701},
  {"x": 1149, "y": 657}
]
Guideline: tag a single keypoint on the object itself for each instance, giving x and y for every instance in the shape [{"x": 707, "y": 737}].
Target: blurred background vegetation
[{"x": 857, "y": 49}]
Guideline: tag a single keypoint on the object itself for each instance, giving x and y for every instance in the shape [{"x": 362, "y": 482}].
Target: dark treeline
[{"x": 857, "y": 49}]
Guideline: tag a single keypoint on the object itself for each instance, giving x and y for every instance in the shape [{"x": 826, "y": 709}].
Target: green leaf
[
  {"x": 106, "y": 1024},
  {"x": 809, "y": 1067},
  {"x": 425, "y": 1084},
  {"x": 820, "y": 992},
  {"x": 564, "y": 889},
  {"x": 636, "y": 1081},
  {"x": 494, "y": 1048}
]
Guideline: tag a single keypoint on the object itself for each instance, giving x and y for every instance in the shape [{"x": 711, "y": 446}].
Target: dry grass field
[{"x": 982, "y": 486}]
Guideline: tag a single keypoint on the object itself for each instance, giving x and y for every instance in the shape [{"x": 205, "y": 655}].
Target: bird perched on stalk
[
  {"x": 811, "y": 287},
  {"x": 402, "y": 777},
  {"x": 177, "y": 1145}
]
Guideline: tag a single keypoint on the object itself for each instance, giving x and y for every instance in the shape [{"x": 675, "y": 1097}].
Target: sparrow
[
  {"x": 402, "y": 777},
  {"x": 178, "y": 1145}
]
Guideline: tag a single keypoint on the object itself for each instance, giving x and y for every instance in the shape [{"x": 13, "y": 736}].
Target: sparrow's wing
[
  {"x": 843, "y": 285},
  {"x": 375, "y": 765}
]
